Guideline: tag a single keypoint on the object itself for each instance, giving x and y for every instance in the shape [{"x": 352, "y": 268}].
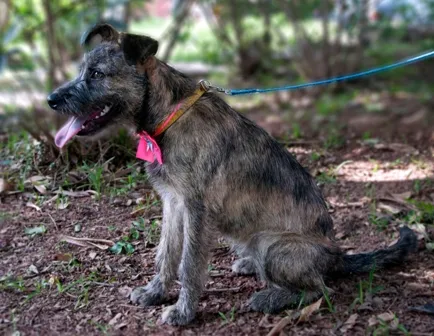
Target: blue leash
[{"x": 415, "y": 59}]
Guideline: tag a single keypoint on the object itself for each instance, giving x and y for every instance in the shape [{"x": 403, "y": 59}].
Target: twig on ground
[
  {"x": 298, "y": 143},
  {"x": 280, "y": 326},
  {"x": 223, "y": 290},
  {"x": 54, "y": 222}
]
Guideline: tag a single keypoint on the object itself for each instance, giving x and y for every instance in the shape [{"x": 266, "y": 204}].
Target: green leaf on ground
[{"x": 35, "y": 230}]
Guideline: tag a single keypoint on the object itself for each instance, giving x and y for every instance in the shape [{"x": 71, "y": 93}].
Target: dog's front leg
[
  {"x": 168, "y": 255},
  {"x": 195, "y": 253}
]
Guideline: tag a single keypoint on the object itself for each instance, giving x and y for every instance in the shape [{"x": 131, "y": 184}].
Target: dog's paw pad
[
  {"x": 145, "y": 297},
  {"x": 174, "y": 316}
]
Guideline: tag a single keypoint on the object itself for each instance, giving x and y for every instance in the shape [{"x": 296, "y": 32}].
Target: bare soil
[{"x": 69, "y": 290}]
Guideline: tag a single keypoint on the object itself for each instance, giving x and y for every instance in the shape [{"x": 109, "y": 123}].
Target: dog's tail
[{"x": 380, "y": 259}]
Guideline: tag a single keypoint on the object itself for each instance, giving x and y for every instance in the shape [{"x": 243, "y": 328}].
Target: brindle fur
[{"x": 221, "y": 174}]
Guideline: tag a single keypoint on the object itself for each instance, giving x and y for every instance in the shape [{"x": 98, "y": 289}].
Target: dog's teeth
[
  {"x": 96, "y": 117},
  {"x": 106, "y": 109},
  {"x": 82, "y": 127}
]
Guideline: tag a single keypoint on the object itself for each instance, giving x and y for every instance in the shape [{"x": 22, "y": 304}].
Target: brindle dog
[{"x": 221, "y": 174}]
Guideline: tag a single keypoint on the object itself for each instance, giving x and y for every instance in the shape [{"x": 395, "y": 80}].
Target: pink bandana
[{"x": 148, "y": 149}]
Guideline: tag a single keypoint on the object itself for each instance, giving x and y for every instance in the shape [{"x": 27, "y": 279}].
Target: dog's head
[{"x": 110, "y": 86}]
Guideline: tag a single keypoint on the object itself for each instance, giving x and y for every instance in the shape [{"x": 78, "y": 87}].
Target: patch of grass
[
  {"x": 366, "y": 135},
  {"x": 39, "y": 287},
  {"x": 365, "y": 288},
  {"x": 296, "y": 131},
  {"x": 153, "y": 232},
  {"x": 230, "y": 318},
  {"x": 326, "y": 178},
  {"x": 17, "y": 155},
  {"x": 376, "y": 166},
  {"x": 314, "y": 156},
  {"x": 329, "y": 176},
  {"x": 78, "y": 288},
  {"x": 103, "y": 328},
  {"x": 380, "y": 222},
  {"x": 329, "y": 105},
  {"x": 95, "y": 176},
  {"x": 334, "y": 140},
  {"x": 423, "y": 214},
  {"x": 137, "y": 226},
  {"x": 9, "y": 282},
  {"x": 331, "y": 308},
  {"x": 62, "y": 201},
  {"x": 420, "y": 163},
  {"x": 148, "y": 202},
  {"x": 385, "y": 328},
  {"x": 128, "y": 183},
  {"x": 395, "y": 163}
]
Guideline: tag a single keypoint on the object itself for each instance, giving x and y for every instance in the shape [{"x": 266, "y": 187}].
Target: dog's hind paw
[{"x": 244, "y": 266}]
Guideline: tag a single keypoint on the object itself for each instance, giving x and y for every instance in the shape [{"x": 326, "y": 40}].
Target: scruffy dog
[{"x": 217, "y": 174}]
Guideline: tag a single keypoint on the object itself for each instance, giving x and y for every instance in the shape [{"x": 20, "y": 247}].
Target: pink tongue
[{"x": 71, "y": 128}]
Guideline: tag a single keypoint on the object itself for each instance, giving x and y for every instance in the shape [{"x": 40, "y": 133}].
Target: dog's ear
[
  {"x": 138, "y": 48},
  {"x": 102, "y": 32}
]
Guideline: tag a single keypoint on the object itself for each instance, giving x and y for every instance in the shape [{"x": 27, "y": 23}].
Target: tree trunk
[{"x": 179, "y": 22}]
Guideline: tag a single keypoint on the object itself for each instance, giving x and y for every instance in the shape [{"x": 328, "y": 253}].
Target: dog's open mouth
[{"x": 86, "y": 125}]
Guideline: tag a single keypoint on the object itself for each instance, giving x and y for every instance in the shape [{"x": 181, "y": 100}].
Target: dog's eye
[{"x": 97, "y": 75}]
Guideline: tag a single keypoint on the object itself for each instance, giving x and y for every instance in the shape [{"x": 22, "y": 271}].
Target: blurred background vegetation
[{"x": 232, "y": 43}]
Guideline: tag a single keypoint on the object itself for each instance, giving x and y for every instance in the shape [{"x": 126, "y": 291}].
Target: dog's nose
[{"x": 53, "y": 100}]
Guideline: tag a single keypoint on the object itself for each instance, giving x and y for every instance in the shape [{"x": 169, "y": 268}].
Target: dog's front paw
[
  {"x": 173, "y": 315},
  {"x": 147, "y": 296}
]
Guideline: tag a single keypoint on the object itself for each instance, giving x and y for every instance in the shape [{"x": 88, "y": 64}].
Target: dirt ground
[{"x": 53, "y": 287}]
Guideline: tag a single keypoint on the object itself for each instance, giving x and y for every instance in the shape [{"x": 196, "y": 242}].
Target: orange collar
[
  {"x": 181, "y": 108},
  {"x": 148, "y": 149}
]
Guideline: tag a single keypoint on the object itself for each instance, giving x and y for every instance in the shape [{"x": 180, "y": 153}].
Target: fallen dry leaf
[
  {"x": 40, "y": 188},
  {"x": 63, "y": 257},
  {"x": 349, "y": 324},
  {"x": 34, "y": 206},
  {"x": 115, "y": 319},
  {"x": 62, "y": 205},
  {"x": 420, "y": 231},
  {"x": 32, "y": 269},
  {"x": 84, "y": 193},
  {"x": 306, "y": 312},
  {"x": 279, "y": 326},
  {"x": 386, "y": 317},
  {"x": 389, "y": 208},
  {"x": 125, "y": 291},
  {"x": 5, "y": 186},
  {"x": 102, "y": 244},
  {"x": 36, "y": 178},
  {"x": 402, "y": 196},
  {"x": 53, "y": 279},
  {"x": 372, "y": 321}
]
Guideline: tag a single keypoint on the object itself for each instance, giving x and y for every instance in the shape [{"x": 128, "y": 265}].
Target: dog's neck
[{"x": 165, "y": 88}]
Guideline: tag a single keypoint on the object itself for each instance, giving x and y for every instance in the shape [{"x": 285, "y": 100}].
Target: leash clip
[
  {"x": 204, "y": 85},
  {"x": 216, "y": 88}
]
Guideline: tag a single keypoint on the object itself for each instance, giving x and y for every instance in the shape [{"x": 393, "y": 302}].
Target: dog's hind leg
[
  {"x": 168, "y": 255},
  {"x": 293, "y": 267}
]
